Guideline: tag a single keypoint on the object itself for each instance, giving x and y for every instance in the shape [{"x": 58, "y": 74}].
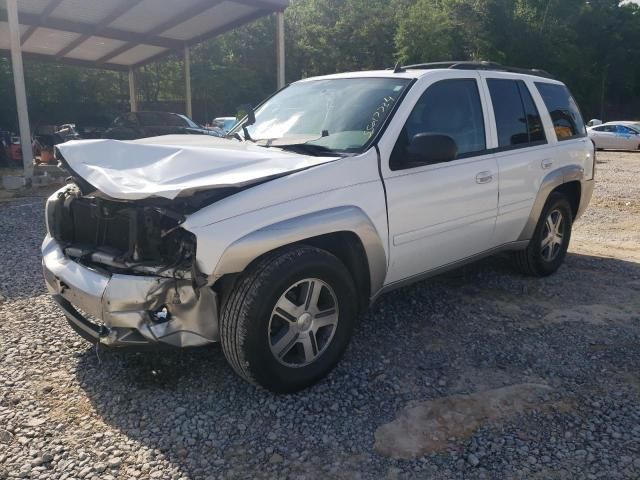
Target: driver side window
[{"x": 449, "y": 107}]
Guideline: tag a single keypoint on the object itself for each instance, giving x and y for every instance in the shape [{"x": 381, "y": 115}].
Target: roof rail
[{"x": 470, "y": 65}]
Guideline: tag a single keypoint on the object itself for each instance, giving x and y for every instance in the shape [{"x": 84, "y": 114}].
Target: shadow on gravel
[{"x": 479, "y": 327}]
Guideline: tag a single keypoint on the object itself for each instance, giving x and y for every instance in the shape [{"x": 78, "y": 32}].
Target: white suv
[{"x": 337, "y": 189}]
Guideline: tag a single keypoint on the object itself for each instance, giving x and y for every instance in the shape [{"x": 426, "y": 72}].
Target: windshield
[{"x": 338, "y": 114}]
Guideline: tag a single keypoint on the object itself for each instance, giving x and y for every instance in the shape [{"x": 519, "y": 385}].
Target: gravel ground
[{"x": 480, "y": 373}]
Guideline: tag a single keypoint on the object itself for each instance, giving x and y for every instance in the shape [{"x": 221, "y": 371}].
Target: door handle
[
  {"x": 484, "y": 177},
  {"x": 546, "y": 164}
]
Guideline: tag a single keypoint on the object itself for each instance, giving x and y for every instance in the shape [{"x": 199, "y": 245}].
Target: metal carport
[{"x": 119, "y": 35}]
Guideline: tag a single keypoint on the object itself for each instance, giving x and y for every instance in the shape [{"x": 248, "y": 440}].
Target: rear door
[{"x": 521, "y": 150}]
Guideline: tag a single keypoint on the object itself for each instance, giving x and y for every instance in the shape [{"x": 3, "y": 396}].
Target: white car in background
[{"x": 616, "y": 135}]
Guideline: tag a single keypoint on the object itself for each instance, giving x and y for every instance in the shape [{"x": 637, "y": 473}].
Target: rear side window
[
  {"x": 564, "y": 112},
  {"x": 625, "y": 130},
  {"x": 517, "y": 119},
  {"x": 172, "y": 120}
]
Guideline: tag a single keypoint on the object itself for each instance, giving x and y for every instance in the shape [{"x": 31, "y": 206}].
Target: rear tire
[
  {"x": 289, "y": 319},
  {"x": 548, "y": 246}
]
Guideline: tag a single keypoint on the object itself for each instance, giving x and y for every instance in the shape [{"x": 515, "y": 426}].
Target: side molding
[
  {"x": 552, "y": 180},
  {"x": 341, "y": 219}
]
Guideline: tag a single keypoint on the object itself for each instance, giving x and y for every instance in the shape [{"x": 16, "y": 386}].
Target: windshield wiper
[
  {"x": 309, "y": 149},
  {"x": 235, "y": 135}
]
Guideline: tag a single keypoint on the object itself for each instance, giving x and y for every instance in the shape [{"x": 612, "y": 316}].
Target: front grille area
[
  {"x": 98, "y": 225},
  {"x": 131, "y": 231}
]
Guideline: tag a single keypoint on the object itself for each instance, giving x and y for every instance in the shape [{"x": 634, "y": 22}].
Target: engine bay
[{"x": 120, "y": 236}]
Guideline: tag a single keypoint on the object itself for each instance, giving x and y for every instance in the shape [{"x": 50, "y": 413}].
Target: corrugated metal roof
[{"x": 123, "y": 33}]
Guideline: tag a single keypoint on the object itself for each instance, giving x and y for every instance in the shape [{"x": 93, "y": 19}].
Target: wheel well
[
  {"x": 571, "y": 190},
  {"x": 349, "y": 249},
  {"x": 344, "y": 245}
]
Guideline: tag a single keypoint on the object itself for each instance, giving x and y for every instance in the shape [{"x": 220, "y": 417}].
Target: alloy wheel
[
  {"x": 553, "y": 236},
  {"x": 303, "y": 322}
]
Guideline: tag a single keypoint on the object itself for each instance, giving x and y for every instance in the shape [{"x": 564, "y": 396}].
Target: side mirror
[{"x": 431, "y": 148}]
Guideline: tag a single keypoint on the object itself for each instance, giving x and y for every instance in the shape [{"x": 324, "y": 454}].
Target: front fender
[{"x": 237, "y": 256}]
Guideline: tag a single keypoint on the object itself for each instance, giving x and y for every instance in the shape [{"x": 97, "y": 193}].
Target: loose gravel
[{"x": 69, "y": 410}]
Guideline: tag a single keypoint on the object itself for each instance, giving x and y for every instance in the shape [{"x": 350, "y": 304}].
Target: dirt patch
[
  {"x": 428, "y": 426},
  {"x": 593, "y": 314}
]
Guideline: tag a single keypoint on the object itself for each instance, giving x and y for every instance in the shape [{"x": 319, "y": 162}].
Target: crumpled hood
[{"x": 172, "y": 165}]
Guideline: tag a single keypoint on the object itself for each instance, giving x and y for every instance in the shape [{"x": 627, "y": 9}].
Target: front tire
[
  {"x": 289, "y": 319},
  {"x": 547, "y": 249}
]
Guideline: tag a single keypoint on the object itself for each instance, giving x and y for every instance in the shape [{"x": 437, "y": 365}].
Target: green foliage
[
  {"x": 328, "y": 36},
  {"x": 591, "y": 45}
]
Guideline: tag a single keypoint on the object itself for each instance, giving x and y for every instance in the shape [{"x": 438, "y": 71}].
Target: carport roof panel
[{"x": 124, "y": 33}]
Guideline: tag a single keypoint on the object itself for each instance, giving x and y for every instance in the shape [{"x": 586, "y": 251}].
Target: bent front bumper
[{"x": 123, "y": 306}]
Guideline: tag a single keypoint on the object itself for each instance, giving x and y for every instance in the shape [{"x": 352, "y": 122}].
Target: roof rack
[{"x": 470, "y": 65}]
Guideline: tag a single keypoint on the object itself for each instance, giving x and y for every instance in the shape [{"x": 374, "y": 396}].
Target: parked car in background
[
  {"x": 616, "y": 136},
  {"x": 225, "y": 123},
  {"x": 91, "y": 131},
  {"x": 133, "y": 125},
  {"x": 335, "y": 190}
]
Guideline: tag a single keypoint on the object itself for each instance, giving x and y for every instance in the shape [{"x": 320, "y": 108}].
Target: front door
[
  {"x": 443, "y": 212},
  {"x": 604, "y": 136}
]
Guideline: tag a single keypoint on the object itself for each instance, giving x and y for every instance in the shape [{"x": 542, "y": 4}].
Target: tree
[{"x": 590, "y": 45}]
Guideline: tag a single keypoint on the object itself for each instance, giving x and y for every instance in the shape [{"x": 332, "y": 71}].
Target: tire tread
[
  {"x": 235, "y": 312},
  {"x": 525, "y": 259}
]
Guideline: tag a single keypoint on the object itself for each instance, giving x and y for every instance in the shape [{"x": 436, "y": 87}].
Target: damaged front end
[{"x": 124, "y": 272}]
